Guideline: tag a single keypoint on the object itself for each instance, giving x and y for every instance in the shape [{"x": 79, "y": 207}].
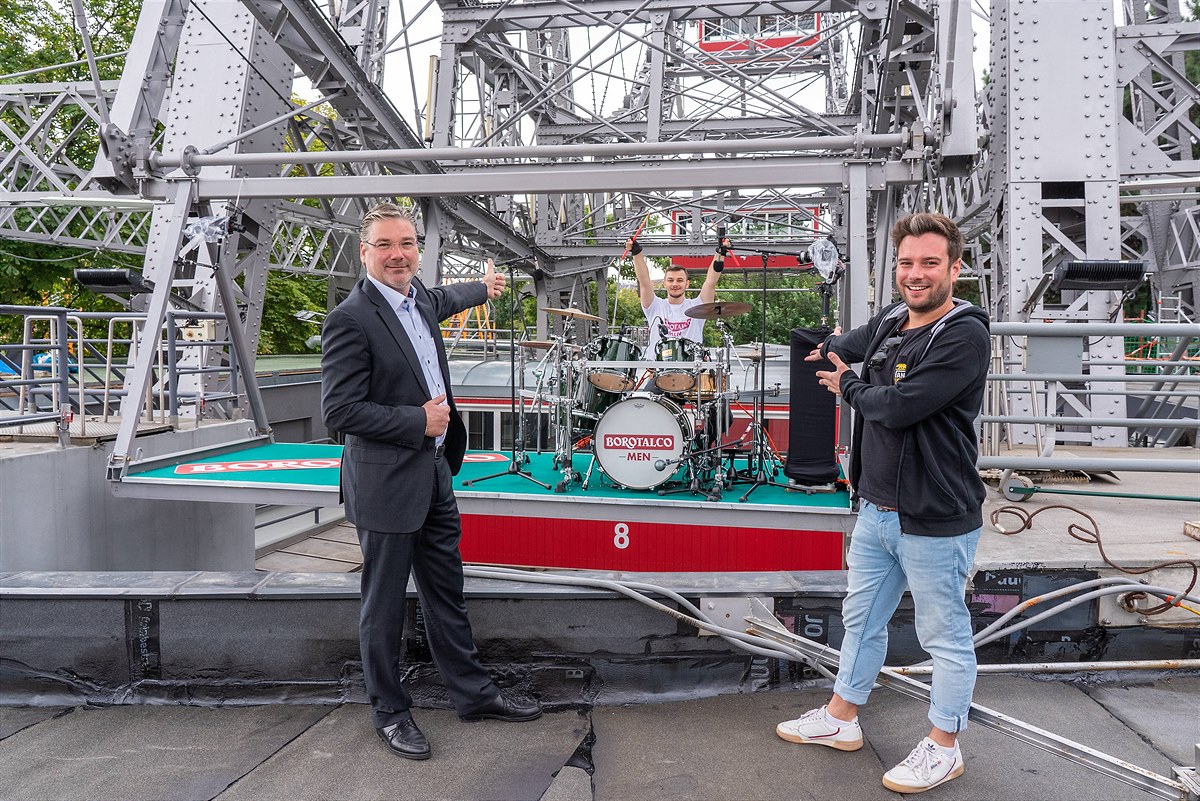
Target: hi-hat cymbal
[
  {"x": 757, "y": 355},
  {"x": 720, "y": 308},
  {"x": 546, "y": 344},
  {"x": 575, "y": 313}
]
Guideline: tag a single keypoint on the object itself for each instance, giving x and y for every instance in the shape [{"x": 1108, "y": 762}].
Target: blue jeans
[{"x": 883, "y": 561}]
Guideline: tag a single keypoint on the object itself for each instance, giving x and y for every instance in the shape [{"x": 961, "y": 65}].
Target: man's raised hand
[{"x": 493, "y": 280}]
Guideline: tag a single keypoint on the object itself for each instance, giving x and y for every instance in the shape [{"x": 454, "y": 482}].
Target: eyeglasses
[
  {"x": 388, "y": 247},
  {"x": 880, "y": 356}
]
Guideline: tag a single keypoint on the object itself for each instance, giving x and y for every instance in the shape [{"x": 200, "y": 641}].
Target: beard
[{"x": 934, "y": 299}]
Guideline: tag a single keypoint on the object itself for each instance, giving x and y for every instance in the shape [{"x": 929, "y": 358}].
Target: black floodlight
[
  {"x": 117, "y": 282},
  {"x": 1110, "y": 275}
]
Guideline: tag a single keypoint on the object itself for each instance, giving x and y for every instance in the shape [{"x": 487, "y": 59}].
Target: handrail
[{"x": 46, "y": 391}]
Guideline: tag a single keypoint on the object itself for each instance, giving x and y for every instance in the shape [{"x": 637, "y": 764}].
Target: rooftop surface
[
  {"x": 679, "y": 746},
  {"x": 709, "y": 748}
]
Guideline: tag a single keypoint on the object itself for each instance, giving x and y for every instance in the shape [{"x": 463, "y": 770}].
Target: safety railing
[
  {"x": 1162, "y": 396},
  {"x": 69, "y": 368}
]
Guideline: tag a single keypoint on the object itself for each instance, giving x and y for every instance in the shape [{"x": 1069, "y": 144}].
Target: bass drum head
[{"x": 634, "y": 434}]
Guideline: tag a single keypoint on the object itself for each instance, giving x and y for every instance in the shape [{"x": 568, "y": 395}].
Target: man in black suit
[{"x": 385, "y": 387}]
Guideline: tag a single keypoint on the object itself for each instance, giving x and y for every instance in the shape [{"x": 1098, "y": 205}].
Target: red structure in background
[
  {"x": 788, "y": 225},
  {"x": 756, "y": 37},
  {"x": 733, "y": 261}
]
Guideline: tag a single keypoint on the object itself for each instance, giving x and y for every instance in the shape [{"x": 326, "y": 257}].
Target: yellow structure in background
[{"x": 470, "y": 326}]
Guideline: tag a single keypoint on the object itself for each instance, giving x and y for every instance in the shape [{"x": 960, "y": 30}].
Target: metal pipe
[
  {"x": 82, "y": 22},
  {"x": 1066, "y": 329},
  {"x": 1110, "y": 378},
  {"x": 1065, "y": 667},
  {"x": 1138, "y": 496},
  {"x": 1141, "y": 393},
  {"x": 217, "y": 148},
  {"x": 847, "y": 142},
  {"x": 76, "y": 63},
  {"x": 1090, "y": 465},
  {"x": 1119, "y": 422}
]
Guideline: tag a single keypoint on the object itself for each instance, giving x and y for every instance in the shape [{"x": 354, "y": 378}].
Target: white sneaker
[
  {"x": 925, "y": 768},
  {"x": 814, "y": 727}
]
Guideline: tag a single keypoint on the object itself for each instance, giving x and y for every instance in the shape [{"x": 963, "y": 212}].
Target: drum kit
[{"x": 657, "y": 423}]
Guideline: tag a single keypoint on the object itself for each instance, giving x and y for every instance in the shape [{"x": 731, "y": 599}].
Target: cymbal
[
  {"x": 546, "y": 344},
  {"x": 720, "y": 308},
  {"x": 575, "y": 313},
  {"x": 757, "y": 355}
]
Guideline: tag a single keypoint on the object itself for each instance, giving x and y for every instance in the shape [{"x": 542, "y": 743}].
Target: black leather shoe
[
  {"x": 506, "y": 709},
  {"x": 405, "y": 739}
]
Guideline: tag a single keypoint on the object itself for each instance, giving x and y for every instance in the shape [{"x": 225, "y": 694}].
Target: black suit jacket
[{"x": 372, "y": 391}]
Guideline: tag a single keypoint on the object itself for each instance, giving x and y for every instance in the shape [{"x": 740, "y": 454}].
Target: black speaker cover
[{"x": 812, "y": 437}]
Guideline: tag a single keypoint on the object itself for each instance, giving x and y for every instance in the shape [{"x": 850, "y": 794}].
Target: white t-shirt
[{"x": 678, "y": 324}]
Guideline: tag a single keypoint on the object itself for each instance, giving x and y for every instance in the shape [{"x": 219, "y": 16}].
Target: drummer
[{"x": 666, "y": 316}]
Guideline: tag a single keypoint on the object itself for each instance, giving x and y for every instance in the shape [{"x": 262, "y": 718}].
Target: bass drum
[{"x": 638, "y": 433}]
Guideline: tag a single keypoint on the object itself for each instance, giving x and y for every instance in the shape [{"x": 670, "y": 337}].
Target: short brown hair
[
  {"x": 930, "y": 223},
  {"x": 675, "y": 268},
  {"x": 385, "y": 211}
]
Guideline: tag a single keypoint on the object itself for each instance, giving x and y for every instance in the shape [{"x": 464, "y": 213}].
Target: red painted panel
[
  {"x": 613, "y": 545},
  {"x": 735, "y": 262}
]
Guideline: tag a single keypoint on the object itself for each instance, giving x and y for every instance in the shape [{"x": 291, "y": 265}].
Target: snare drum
[
  {"x": 639, "y": 440},
  {"x": 613, "y": 349},
  {"x": 678, "y": 379}
]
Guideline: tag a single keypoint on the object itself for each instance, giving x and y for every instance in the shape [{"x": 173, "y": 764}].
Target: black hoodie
[{"x": 936, "y": 406}]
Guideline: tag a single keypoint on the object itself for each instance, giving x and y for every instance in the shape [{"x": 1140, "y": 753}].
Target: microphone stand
[
  {"x": 759, "y": 447},
  {"x": 515, "y": 462}
]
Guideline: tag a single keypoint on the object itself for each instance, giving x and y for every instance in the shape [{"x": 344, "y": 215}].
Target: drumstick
[{"x": 636, "y": 233}]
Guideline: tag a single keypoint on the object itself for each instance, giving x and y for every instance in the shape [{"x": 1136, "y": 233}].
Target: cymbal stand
[
  {"x": 518, "y": 458},
  {"x": 760, "y": 447},
  {"x": 564, "y": 440}
]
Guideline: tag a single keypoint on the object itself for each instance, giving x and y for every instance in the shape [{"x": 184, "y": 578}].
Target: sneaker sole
[
  {"x": 841, "y": 745},
  {"x": 901, "y": 788}
]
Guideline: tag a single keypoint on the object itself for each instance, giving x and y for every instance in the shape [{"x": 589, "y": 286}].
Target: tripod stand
[{"x": 517, "y": 458}]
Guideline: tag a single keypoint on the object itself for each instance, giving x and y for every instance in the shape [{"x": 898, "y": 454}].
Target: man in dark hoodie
[{"x": 912, "y": 466}]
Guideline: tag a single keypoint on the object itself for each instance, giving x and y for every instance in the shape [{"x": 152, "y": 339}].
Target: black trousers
[{"x": 431, "y": 555}]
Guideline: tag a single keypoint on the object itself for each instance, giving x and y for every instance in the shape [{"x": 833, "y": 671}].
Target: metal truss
[
  {"x": 543, "y": 133},
  {"x": 41, "y": 128}
]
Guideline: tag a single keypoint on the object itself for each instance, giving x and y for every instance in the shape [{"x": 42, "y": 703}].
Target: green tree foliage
[
  {"x": 286, "y": 295},
  {"x": 35, "y": 34},
  {"x": 794, "y": 303}
]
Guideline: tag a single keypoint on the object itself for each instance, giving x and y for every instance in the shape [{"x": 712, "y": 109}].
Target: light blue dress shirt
[{"x": 418, "y": 332}]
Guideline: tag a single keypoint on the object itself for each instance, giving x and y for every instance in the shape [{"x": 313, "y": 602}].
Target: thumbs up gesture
[{"x": 493, "y": 280}]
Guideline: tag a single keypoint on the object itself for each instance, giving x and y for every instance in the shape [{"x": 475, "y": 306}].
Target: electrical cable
[
  {"x": 1092, "y": 537},
  {"x": 635, "y": 590},
  {"x": 95, "y": 252}
]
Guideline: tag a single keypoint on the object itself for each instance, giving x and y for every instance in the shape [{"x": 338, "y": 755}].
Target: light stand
[{"x": 517, "y": 457}]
